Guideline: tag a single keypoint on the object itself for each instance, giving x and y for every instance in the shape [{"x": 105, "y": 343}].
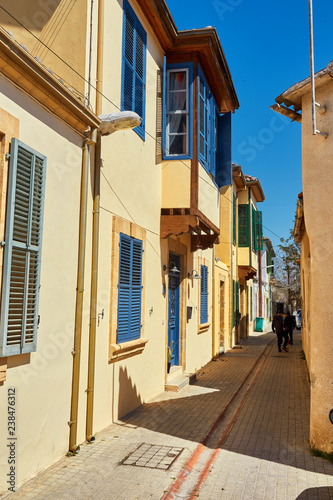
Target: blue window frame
[
  {"x": 213, "y": 136},
  {"x": 133, "y": 90},
  {"x": 23, "y": 249},
  {"x": 204, "y": 121},
  {"x": 214, "y": 130},
  {"x": 177, "y": 111},
  {"x": 208, "y": 119},
  {"x": 129, "y": 289},
  {"x": 204, "y": 295}
]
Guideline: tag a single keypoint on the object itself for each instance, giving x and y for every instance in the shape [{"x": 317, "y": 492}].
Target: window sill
[
  {"x": 176, "y": 157},
  {"x": 127, "y": 349},
  {"x": 204, "y": 327}
]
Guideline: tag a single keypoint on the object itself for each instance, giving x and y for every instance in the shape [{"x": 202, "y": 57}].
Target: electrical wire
[
  {"x": 98, "y": 91},
  {"x": 90, "y": 85}
]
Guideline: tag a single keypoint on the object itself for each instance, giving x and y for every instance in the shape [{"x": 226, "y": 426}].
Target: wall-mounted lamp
[
  {"x": 172, "y": 268},
  {"x": 111, "y": 122},
  {"x": 194, "y": 275},
  {"x": 217, "y": 259}
]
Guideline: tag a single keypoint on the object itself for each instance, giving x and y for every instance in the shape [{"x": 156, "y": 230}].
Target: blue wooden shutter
[
  {"x": 23, "y": 247},
  {"x": 136, "y": 289},
  {"x": 164, "y": 125},
  {"x": 212, "y": 136},
  {"x": 203, "y": 122},
  {"x": 133, "y": 95},
  {"x": 204, "y": 295},
  {"x": 223, "y": 153},
  {"x": 129, "y": 289}
]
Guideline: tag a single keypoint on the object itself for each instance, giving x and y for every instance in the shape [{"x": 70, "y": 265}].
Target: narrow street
[{"x": 239, "y": 432}]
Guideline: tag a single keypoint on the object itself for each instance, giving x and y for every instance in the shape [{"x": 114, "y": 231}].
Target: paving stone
[{"x": 265, "y": 455}]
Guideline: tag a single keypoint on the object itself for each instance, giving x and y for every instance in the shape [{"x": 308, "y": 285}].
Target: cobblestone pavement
[{"x": 240, "y": 432}]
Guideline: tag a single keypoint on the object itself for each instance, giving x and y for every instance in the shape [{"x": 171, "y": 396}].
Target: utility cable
[{"x": 113, "y": 104}]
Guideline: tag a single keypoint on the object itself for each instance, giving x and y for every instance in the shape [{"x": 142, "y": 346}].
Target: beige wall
[
  {"x": 43, "y": 379},
  {"x": 209, "y": 197},
  {"x": 130, "y": 189},
  {"x": 199, "y": 338},
  {"x": 62, "y": 27},
  {"x": 176, "y": 182},
  {"x": 305, "y": 294},
  {"x": 317, "y": 155}
]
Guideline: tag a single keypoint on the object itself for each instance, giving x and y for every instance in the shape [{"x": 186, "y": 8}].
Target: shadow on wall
[
  {"x": 128, "y": 398},
  {"x": 322, "y": 492},
  {"x": 44, "y": 19}
]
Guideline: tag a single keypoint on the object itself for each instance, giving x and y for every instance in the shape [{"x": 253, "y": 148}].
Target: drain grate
[{"x": 153, "y": 456}]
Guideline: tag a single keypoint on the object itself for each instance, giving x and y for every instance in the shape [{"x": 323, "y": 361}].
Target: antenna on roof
[{"x": 313, "y": 91}]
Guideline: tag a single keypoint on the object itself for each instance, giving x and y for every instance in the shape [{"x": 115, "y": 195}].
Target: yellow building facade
[
  {"x": 311, "y": 231},
  {"x": 121, "y": 230},
  {"x": 236, "y": 260}
]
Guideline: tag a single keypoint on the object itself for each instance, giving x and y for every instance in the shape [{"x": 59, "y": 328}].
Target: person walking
[
  {"x": 278, "y": 328},
  {"x": 290, "y": 323}
]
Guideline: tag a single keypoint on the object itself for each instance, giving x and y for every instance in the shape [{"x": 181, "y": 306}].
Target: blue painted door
[{"x": 173, "y": 314}]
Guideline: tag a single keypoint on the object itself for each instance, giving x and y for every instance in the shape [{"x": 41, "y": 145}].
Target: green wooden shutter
[
  {"x": 251, "y": 304},
  {"x": 237, "y": 303},
  {"x": 270, "y": 262},
  {"x": 23, "y": 247},
  {"x": 233, "y": 303},
  {"x": 253, "y": 229},
  {"x": 259, "y": 245},
  {"x": 244, "y": 225}
]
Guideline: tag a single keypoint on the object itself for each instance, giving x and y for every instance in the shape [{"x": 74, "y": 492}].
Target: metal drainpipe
[
  {"x": 95, "y": 241},
  {"x": 313, "y": 97},
  {"x": 79, "y": 300}
]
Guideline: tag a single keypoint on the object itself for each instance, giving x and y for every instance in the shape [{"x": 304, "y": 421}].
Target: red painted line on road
[
  {"x": 205, "y": 473},
  {"x": 188, "y": 467}
]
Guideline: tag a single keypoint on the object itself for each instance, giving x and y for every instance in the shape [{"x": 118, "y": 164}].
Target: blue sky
[{"x": 266, "y": 44}]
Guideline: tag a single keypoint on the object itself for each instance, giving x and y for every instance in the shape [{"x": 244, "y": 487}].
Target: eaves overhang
[
  {"x": 204, "y": 42},
  {"x": 238, "y": 176},
  {"x": 256, "y": 189},
  {"x": 294, "y": 94},
  {"x": 178, "y": 221},
  {"x": 27, "y": 74},
  {"x": 269, "y": 245},
  {"x": 247, "y": 272}
]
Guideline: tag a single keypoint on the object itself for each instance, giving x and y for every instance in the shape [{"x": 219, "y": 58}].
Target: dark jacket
[
  {"x": 277, "y": 324},
  {"x": 289, "y": 321}
]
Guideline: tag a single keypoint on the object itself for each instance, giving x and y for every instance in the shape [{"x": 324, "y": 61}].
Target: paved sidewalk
[{"x": 241, "y": 431}]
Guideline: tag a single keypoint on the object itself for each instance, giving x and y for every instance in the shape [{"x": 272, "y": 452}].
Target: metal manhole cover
[{"x": 153, "y": 456}]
